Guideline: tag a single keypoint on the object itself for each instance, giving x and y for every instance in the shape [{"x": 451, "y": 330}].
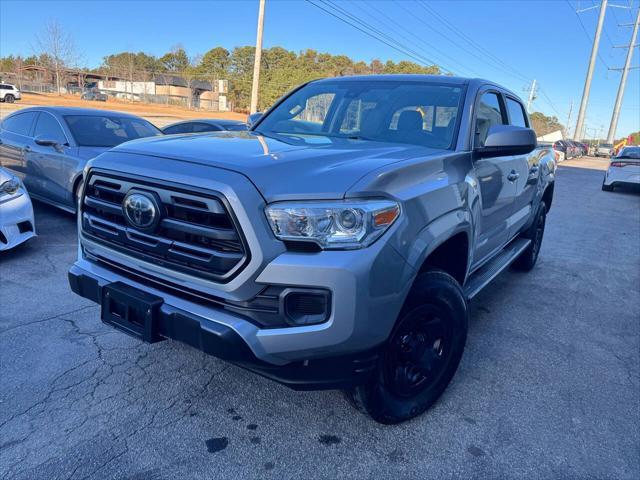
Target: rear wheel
[
  {"x": 607, "y": 188},
  {"x": 527, "y": 259},
  {"x": 9, "y": 98},
  {"x": 421, "y": 355}
]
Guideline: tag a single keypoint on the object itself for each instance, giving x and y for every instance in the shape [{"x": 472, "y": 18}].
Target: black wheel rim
[
  {"x": 537, "y": 238},
  {"x": 418, "y": 351}
]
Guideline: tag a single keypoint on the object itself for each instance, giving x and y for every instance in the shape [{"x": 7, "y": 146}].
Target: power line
[
  {"x": 370, "y": 6},
  {"x": 501, "y": 64},
  {"x": 584, "y": 29},
  {"x": 398, "y": 47}
]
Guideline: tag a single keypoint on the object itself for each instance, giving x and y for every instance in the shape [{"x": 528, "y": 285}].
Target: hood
[
  {"x": 87, "y": 153},
  {"x": 282, "y": 167}
]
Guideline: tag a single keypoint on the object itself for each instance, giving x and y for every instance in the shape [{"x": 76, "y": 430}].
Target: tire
[
  {"x": 9, "y": 98},
  {"x": 421, "y": 355},
  {"x": 607, "y": 188},
  {"x": 527, "y": 259}
]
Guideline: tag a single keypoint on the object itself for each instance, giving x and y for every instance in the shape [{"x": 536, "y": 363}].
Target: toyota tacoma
[{"x": 336, "y": 244}]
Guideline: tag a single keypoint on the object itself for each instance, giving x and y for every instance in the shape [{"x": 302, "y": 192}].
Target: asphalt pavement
[{"x": 549, "y": 385}]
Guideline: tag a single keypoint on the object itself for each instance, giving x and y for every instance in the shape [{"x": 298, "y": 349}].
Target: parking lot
[{"x": 549, "y": 384}]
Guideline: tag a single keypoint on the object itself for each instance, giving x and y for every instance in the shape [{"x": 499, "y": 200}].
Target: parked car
[
  {"x": 9, "y": 93},
  {"x": 560, "y": 151},
  {"x": 201, "y": 125},
  {"x": 334, "y": 245},
  {"x": 604, "y": 150},
  {"x": 48, "y": 147},
  {"x": 17, "y": 224},
  {"x": 575, "y": 149},
  {"x": 564, "y": 148},
  {"x": 624, "y": 169},
  {"x": 93, "y": 94}
]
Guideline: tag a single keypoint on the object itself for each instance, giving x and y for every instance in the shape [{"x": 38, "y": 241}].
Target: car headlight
[
  {"x": 10, "y": 187},
  {"x": 347, "y": 224}
]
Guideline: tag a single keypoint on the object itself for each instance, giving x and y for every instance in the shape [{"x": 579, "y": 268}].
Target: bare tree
[{"x": 59, "y": 48}]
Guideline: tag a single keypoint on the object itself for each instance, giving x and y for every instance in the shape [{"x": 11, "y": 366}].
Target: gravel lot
[{"x": 548, "y": 386}]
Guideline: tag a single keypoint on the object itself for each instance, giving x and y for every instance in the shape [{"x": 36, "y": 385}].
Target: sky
[{"x": 511, "y": 42}]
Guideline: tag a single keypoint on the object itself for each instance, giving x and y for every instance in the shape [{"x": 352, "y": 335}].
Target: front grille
[{"x": 197, "y": 233}]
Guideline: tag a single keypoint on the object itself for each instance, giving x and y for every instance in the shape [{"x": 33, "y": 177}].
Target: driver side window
[
  {"x": 490, "y": 112},
  {"x": 49, "y": 128}
]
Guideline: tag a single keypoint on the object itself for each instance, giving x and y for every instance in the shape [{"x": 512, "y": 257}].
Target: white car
[
  {"x": 16, "y": 212},
  {"x": 604, "y": 150},
  {"x": 9, "y": 93},
  {"x": 624, "y": 168}
]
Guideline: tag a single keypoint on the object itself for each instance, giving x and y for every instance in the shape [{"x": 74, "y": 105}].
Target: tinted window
[
  {"x": 5, "y": 87},
  {"x": 516, "y": 113},
  {"x": 386, "y": 111},
  {"x": 20, "y": 123},
  {"x": 489, "y": 113},
  {"x": 204, "y": 127},
  {"x": 103, "y": 131},
  {"x": 49, "y": 128},
  {"x": 236, "y": 127},
  {"x": 180, "y": 128}
]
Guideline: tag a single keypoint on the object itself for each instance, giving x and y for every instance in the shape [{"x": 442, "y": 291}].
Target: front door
[
  {"x": 49, "y": 163},
  {"x": 495, "y": 176}
]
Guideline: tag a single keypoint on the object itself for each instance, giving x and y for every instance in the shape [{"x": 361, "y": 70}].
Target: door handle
[{"x": 513, "y": 176}]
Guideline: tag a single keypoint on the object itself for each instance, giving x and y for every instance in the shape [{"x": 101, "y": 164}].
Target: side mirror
[
  {"x": 48, "y": 142},
  {"x": 45, "y": 142},
  {"x": 253, "y": 118},
  {"x": 508, "y": 140}
]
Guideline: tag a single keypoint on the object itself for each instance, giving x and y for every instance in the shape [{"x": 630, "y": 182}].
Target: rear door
[
  {"x": 496, "y": 190},
  {"x": 15, "y": 136},
  {"x": 51, "y": 165},
  {"x": 526, "y": 168}
]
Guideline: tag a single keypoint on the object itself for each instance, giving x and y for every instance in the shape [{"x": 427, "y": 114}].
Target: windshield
[
  {"x": 422, "y": 114},
  {"x": 107, "y": 131},
  {"x": 630, "y": 152},
  {"x": 605, "y": 145}
]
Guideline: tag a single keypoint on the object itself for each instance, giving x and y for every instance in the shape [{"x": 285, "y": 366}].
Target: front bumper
[
  {"x": 219, "y": 340},
  {"x": 17, "y": 224}
]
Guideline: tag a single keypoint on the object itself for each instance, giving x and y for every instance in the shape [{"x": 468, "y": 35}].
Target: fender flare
[{"x": 437, "y": 232}]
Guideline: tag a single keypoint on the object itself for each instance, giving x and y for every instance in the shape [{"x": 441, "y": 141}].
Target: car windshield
[
  {"x": 108, "y": 131},
  {"x": 415, "y": 113},
  {"x": 606, "y": 145},
  {"x": 630, "y": 152}
]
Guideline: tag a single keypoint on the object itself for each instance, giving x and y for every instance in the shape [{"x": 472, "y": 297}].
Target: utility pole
[
  {"x": 569, "y": 117},
  {"x": 623, "y": 83},
  {"x": 592, "y": 63},
  {"x": 532, "y": 95},
  {"x": 258, "y": 58}
]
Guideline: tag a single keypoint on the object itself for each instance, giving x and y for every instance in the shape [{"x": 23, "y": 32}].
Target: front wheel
[
  {"x": 9, "y": 98},
  {"x": 422, "y": 353}
]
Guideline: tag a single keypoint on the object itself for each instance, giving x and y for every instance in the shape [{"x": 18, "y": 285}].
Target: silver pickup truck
[{"x": 335, "y": 244}]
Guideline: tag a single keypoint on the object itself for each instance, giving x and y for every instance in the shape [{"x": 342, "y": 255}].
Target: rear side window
[
  {"x": 49, "y": 128},
  {"x": 20, "y": 123},
  {"x": 181, "y": 128},
  {"x": 489, "y": 113},
  {"x": 516, "y": 113},
  {"x": 204, "y": 127}
]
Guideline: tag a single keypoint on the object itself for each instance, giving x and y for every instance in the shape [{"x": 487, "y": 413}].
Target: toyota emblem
[{"x": 141, "y": 210}]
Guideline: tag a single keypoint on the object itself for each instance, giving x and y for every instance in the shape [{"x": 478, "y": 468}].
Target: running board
[{"x": 479, "y": 279}]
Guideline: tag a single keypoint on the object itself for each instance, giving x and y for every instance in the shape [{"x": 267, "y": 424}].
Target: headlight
[
  {"x": 333, "y": 225},
  {"x": 10, "y": 187}
]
